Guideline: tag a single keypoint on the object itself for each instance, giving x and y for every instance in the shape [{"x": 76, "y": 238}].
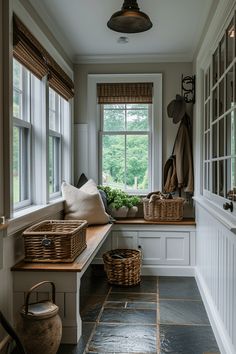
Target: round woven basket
[{"x": 123, "y": 271}]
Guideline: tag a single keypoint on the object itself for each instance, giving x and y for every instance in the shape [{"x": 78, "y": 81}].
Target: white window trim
[{"x": 94, "y": 121}]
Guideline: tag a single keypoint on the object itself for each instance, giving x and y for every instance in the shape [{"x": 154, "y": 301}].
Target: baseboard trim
[
  {"x": 174, "y": 271},
  {"x": 218, "y": 327}
]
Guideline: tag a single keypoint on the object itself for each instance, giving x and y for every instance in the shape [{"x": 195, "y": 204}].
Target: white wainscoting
[{"x": 216, "y": 276}]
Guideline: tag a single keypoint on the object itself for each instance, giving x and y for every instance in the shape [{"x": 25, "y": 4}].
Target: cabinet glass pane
[
  {"x": 206, "y": 85},
  {"x": 221, "y": 98},
  {"x": 214, "y": 140},
  {"x": 205, "y": 176},
  {"x": 221, "y": 137},
  {"x": 229, "y": 89},
  {"x": 206, "y": 152},
  {"x": 230, "y": 33},
  {"x": 228, "y": 179},
  {"x": 231, "y": 133},
  {"x": 221, "y": 178},
  {"x": 215, "y": 66},
  {"x": 222, "y": 55},
  {"x": 214, "y": 177},
  {"x": 214, "y": 105}
]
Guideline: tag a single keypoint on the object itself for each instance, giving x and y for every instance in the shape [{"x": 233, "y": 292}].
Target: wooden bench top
[
  {"x": 134, "y": 221},
  {"x": 95, "y": 236}
]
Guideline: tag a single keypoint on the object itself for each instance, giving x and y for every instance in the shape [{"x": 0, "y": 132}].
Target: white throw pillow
[{"x": 84, "y": 203}]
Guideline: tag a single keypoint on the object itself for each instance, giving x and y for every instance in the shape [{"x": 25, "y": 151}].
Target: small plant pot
[
  {"x": 132, "y": 212},
  {"x": 120, "y": 212}
]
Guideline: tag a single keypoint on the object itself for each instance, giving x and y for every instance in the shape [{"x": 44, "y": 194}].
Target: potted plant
[{"x": 120, "y": 203}]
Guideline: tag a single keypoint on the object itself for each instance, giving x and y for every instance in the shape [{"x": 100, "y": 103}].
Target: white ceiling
[{"x": 80, "y": 27}]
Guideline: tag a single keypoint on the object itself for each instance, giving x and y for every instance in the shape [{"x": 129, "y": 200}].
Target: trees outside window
[{"x": 126, "y": 146}]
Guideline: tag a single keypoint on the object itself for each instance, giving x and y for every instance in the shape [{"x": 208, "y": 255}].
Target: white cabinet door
[
  {"x": 149, "y": 242},
  {"x": 167, "y": 248},
  {"x": 124, "y": 239}
]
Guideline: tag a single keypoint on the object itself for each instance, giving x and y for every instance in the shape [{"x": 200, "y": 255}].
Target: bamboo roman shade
[
  {"x": 29, "y": 52},
  {"x": 124, "y": 92}
]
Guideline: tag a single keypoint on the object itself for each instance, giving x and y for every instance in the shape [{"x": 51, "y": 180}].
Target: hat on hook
[{"x": 176, "y": 108}]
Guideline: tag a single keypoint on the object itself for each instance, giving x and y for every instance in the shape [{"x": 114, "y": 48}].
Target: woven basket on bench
[
  {"x": 124, "y": 271},
  {"x": 57, "y": 241},
  {"x": 163, "y": 209}
]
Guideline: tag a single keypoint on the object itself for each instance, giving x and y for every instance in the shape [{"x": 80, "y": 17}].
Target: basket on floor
[
  {"x": 56, "y": 241},
  {"x": 123, "y": 266},
  {"x": 163, "y": 209}
]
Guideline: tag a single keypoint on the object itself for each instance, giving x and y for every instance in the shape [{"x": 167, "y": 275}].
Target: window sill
[
  {"x": 30, "y": 215},
  {"x": 226, "y": 219}
]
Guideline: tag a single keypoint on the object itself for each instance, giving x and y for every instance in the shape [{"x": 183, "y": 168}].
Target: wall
[{"x": 171, "y": 86}]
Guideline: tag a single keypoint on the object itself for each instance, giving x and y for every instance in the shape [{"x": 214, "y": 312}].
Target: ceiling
[{"x": 80, "y": 27}]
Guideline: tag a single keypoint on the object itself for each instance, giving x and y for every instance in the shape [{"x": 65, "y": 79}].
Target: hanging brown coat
[{"x": 182, "y": 175}]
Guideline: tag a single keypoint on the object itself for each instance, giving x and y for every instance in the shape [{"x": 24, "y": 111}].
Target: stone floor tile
[
  {"x": 187, "y": 340},
  {"x": 178, "y": 288},
  {"x": 135, "y": 316},
  {"x": 183, "y": 312},
  {"x": 124, "y": 338},
  {"x": 130, "y": 297}
]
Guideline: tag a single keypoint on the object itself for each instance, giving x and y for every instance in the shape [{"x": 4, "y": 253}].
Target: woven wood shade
[
  {"x": 124, "y": 93},
  {"x": 29, "y": 52}
]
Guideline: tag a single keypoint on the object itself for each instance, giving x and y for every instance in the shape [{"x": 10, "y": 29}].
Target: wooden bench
[{"x": 66, "y": 277}]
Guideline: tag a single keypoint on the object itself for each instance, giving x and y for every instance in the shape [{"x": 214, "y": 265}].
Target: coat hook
[{"x": 188, "y": 88}]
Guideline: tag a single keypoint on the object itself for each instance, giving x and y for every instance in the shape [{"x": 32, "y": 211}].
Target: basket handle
[{"x": 35, "y": 287}]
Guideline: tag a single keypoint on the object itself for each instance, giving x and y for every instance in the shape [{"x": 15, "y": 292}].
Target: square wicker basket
[
  {"x": 163, "y": 209},
  {"x": 55, "y": 241}
]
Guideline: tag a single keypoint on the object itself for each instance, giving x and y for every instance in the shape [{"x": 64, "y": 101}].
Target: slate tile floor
[{"x": 162, "y": 315}]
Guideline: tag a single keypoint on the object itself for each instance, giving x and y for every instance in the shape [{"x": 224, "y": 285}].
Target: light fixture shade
[{"x": 129, "y": 19}]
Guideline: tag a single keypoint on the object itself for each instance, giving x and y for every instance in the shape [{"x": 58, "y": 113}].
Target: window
[
  {"x": 126, "y": 146},
  {"x": 55, "y": 116},
  {"x": 220, "y": 120},
  {"x": 21, "y": 135}
]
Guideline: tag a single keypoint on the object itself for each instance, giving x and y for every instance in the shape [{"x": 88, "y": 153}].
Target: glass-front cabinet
[{"x": 219, "y": 138}]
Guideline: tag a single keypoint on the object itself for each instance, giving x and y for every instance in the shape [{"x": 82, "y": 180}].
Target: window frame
[
  {"x": 24, "y": 122},
  {"x": 93, "y": 114},
  {"x": 126, "y": 133}
]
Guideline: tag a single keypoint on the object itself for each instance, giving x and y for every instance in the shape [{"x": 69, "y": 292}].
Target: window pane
[
  {"x": 221, "y": 98},
  {"x": 20, "y": 164},
  {"x": 214, "y": 140},
  {"x": 16, "y": 165},
  {"x": 221, "y": 138},
  {"x": 215, "y": 67},
  {"x": 214, "y": 177},
  {"x": 113, "y": 161},
  {"x": 222, "y": 55},
  {"x": 221, "y": 179},
  {"x": 114, "y": 120},
  {"x": 17, "y": 104},
  {"x": 137, "y": 119},
  {"x": 54, "y": 111},
  {"x": 137, "y": 162},
  {"x": 229, "y": 89},
  {"x": 54, "y": 164},
  {"x": 17, "y": 75},
  {"x": 230, "y": 32},
  {"x": 214, "y": 105},
  {"x": 231, "y": 134}
]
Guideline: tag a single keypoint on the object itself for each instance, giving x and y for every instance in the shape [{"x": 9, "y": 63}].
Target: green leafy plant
[{"x": 116, "y": 198}]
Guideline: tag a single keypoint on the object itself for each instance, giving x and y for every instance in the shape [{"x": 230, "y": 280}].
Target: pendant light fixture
[{"x": 129, "y": 19}]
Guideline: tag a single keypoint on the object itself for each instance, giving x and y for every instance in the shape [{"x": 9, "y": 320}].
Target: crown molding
[{"x": 125, "y": 59}]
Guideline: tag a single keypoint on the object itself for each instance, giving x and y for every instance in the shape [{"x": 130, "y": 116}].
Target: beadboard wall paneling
[{"x": 216, "y": 275}]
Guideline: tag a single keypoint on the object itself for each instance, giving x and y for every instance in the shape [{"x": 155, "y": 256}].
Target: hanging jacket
[{"x": 182, "y": 174}]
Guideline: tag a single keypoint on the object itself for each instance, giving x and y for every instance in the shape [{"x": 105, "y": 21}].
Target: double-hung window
[
  {"x": 126, "y": 146},
  {"x": 55, "y": 123},
  {"x": 22, "y": 127}
]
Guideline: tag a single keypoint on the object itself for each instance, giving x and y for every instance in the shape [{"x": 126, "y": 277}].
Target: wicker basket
[
  {"x": 163, "y": 209},
  {"x": 56, "y": 241},
  {"x": 125, "y": 271}
]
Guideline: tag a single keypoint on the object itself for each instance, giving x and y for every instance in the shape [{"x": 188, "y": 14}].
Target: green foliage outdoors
[
  {"x": 125, "y": 168},
  {"x": 116, "y": 198}
]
